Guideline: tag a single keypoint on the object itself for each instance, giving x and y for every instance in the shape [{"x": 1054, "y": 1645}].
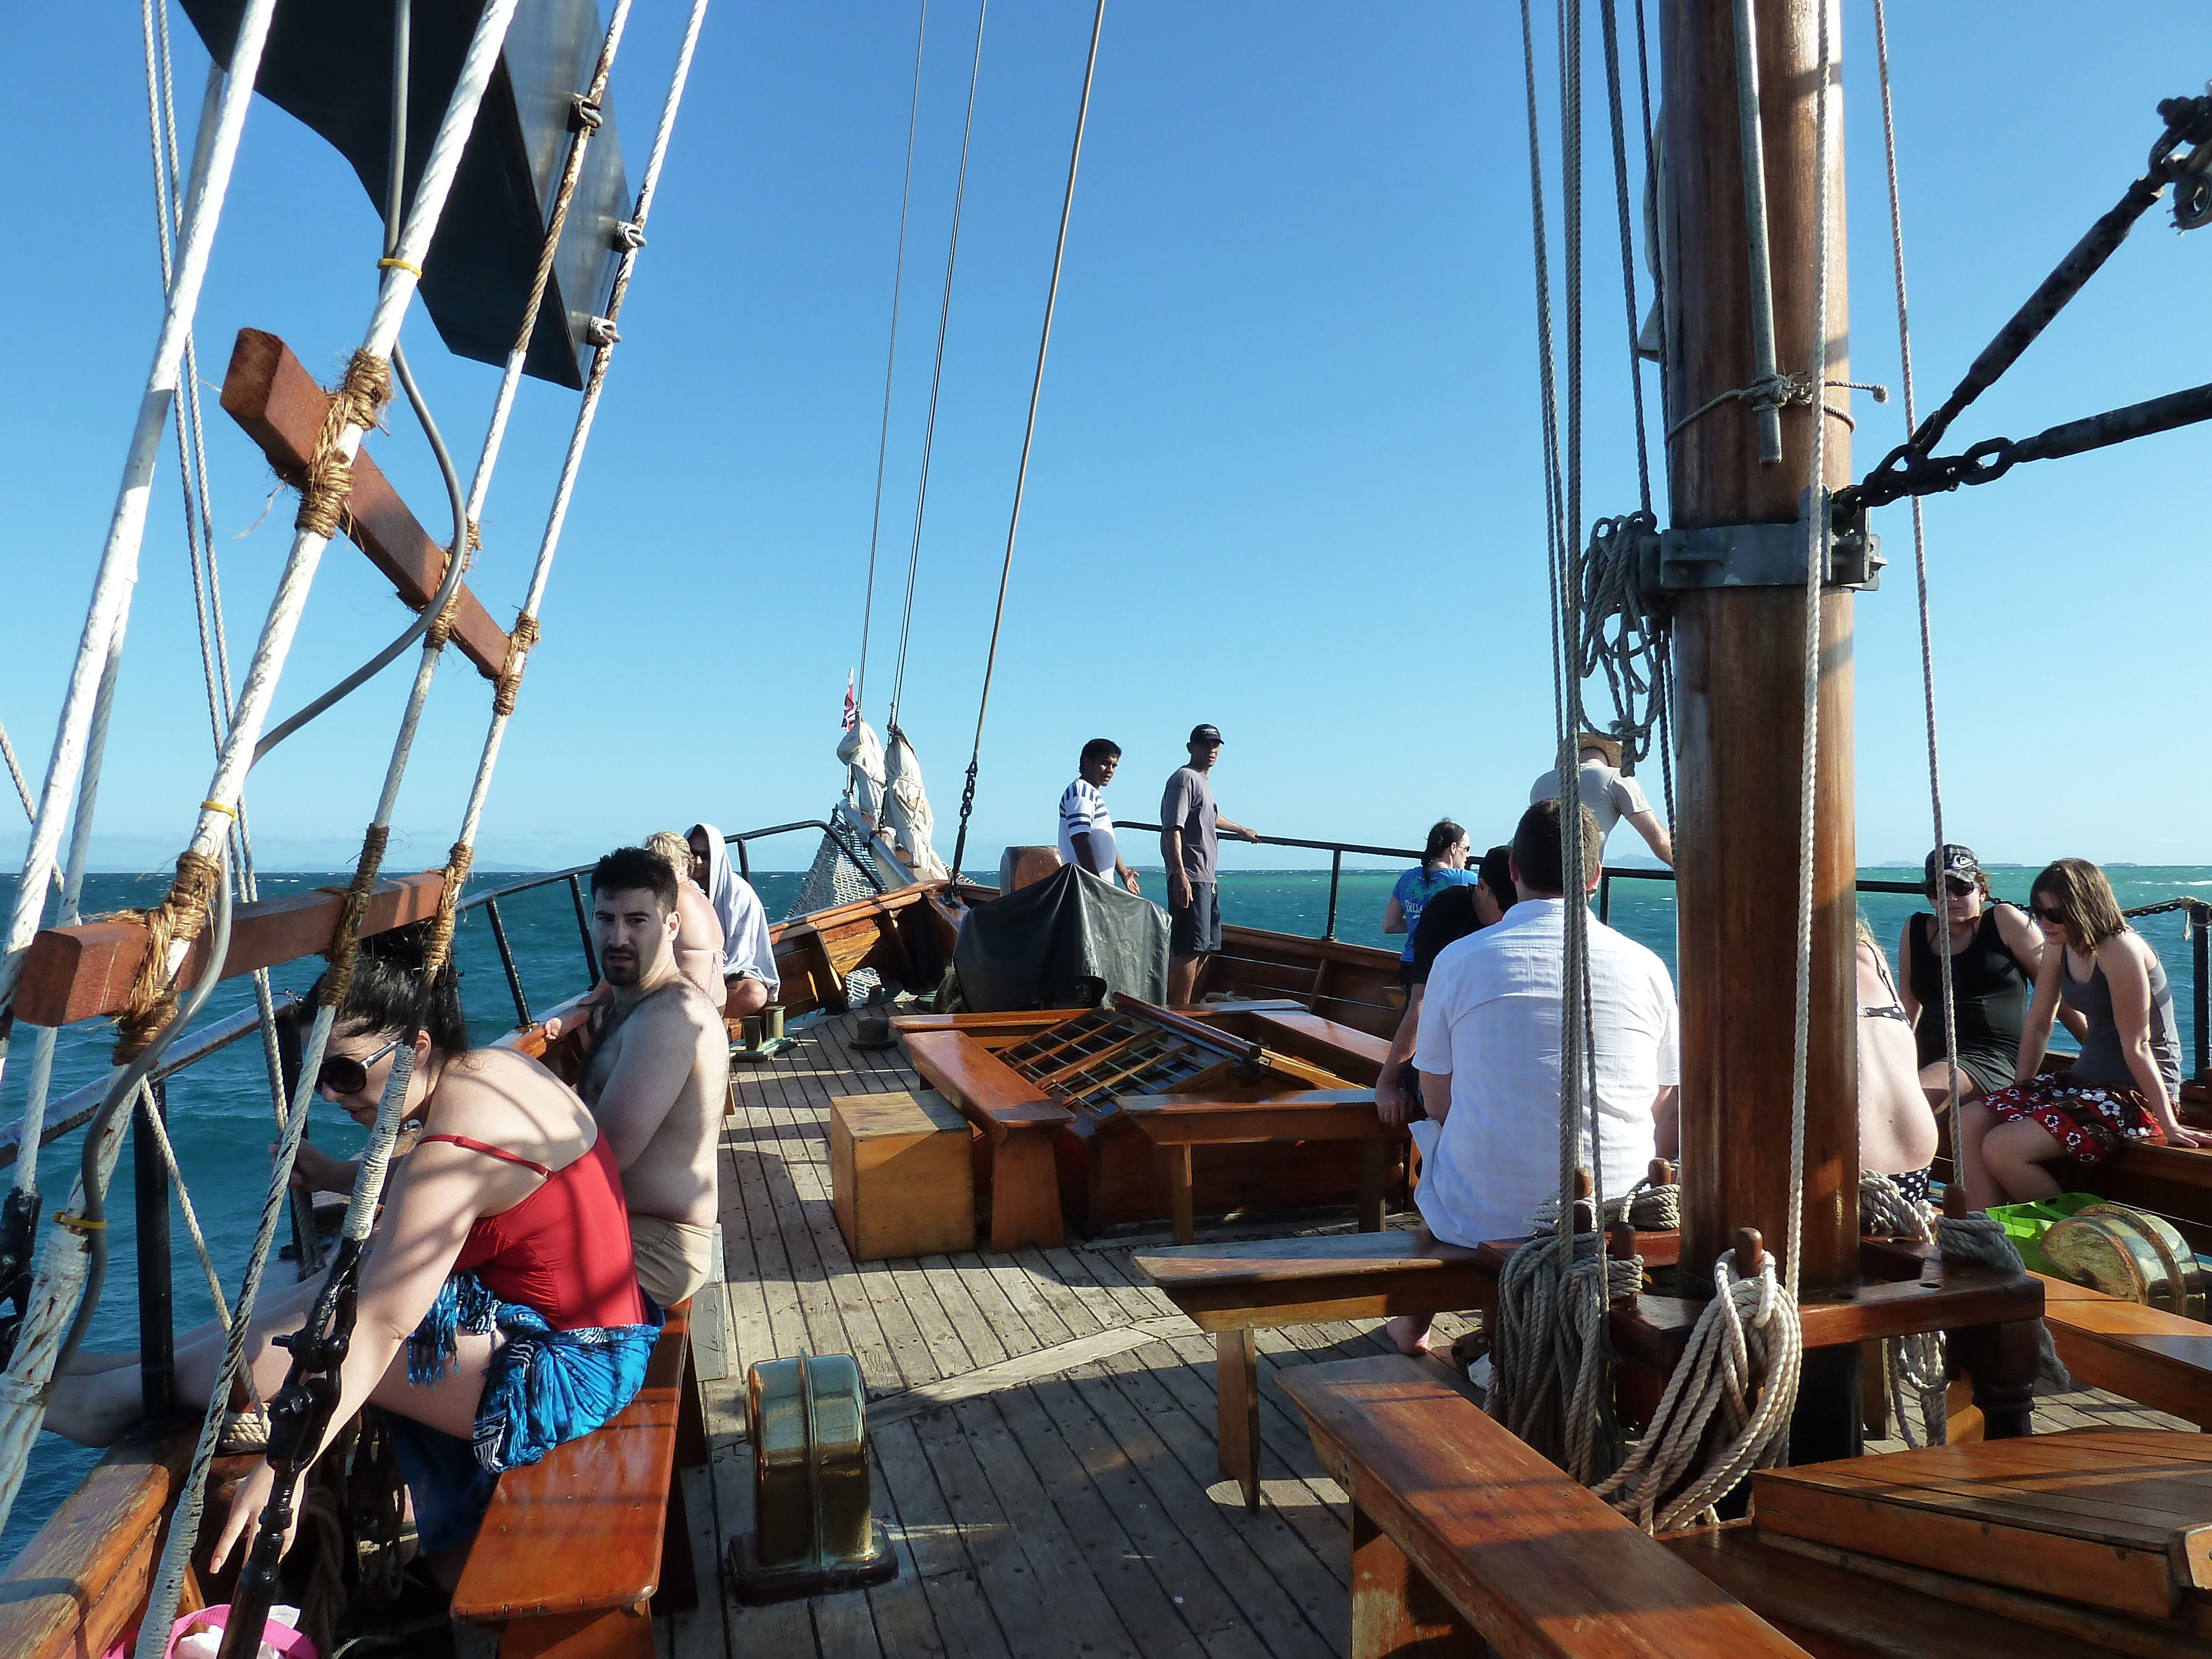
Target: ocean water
[{"x": 221, "y": 1116}]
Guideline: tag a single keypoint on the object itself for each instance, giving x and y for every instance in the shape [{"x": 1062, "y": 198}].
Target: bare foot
[{"x": 1409, "y": 1335}]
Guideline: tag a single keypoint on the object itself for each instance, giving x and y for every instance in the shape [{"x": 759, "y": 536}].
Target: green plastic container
[{"x": 2026, "y": 1224}]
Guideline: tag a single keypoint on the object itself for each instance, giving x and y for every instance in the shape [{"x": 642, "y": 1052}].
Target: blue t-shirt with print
[{"x": 1416, "y": 887}]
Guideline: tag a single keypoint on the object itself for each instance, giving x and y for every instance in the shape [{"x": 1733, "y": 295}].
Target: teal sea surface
[{"x": 223, "y": 1118}]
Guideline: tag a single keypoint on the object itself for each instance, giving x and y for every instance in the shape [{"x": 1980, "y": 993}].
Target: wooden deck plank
[
  {"x": 825, "y": 1322},
  {"x": 756, "y": 1146},
  {"x": 934, "y": 1551}
]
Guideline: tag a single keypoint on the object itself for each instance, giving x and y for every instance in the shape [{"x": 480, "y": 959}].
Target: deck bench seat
[
  {"x": 1461, "y": 1535},
  {"x": 1231, "y": 1290},
  {"x": 578, "y": 1551},
  {"x": 2159, "y": 1360}
]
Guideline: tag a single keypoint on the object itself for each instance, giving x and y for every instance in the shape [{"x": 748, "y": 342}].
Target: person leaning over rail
[
  {"x": 1488, "y": 1055},
  {"x": 1086, "y": 829},
  {"x": 656, "y": 1074},
  {"x": 499, "y": 1312},
  {"x": 1995, "y": 953},
  {"x": 1190, "y": 848},
  {"x": 1443, "y": 866},
  {"x": 748, "y": 950},
  {"x": 2124, "y": 1084},
  {"x": 1612, "y": 794},
  {"x": 1447, "y": 919}
]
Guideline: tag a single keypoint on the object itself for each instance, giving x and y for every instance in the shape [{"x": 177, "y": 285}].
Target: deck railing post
[
  {"x": 1335, "y": 872},
  {"x": 506, "y": 961},
  {"x": 583, "y": 927},
  {"x": 744, "y": 861},
  {"x": 1604, "y": 896},
  {"x": 157, "y": 1335},
  {"x": 2201, "y": 960}
]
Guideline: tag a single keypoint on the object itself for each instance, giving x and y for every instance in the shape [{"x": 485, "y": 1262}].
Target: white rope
[
  {"x": 1941, "y": 922},
  {"x": 118, "y": 560},
  {"x": 15, "y": 772},
  {"x": 1747, "y": 1341},
  {"x": 1647, "y": 1208}
]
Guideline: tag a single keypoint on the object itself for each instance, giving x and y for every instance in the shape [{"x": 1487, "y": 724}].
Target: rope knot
[
  {"x": 518, "y": 643},
  {"x": 177, "y": 919},
  {"x": 440, "y": 945},
  {"x": 327, "y": 480},
  {"x": 345, "y": 941}
]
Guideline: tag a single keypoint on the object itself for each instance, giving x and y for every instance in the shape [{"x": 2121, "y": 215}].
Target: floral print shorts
[{"x": 2087, "y": 1120}]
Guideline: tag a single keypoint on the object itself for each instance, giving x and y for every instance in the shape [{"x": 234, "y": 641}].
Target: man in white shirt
[
  {"x": 1086, "y": 829},
  {"x": 1488, "y": 1055},
  {"x": 1612, "y": 794}
]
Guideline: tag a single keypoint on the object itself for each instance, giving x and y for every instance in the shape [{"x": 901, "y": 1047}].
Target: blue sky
[{"x": 1286, "y": 469}]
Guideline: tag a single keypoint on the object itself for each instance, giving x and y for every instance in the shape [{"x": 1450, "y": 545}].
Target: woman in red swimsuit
[{"x": 499, "y": 1312}]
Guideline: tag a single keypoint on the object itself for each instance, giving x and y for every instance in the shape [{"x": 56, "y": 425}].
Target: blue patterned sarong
[{"x": 542, "y": 1388}]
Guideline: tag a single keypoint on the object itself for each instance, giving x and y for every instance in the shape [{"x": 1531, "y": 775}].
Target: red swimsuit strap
[{"x": 490, "y": 1152}]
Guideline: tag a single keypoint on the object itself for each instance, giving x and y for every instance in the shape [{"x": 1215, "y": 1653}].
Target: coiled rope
[{"x": 1647, "y": 1208}]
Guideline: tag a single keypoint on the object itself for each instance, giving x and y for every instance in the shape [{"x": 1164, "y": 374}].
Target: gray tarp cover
[{"x": 1028, "y": 949}]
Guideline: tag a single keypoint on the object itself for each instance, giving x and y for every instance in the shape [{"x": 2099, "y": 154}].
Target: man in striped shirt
[{"x": 1086, "y": 830}]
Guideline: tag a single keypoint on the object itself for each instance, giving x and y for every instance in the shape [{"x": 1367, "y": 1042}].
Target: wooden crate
[
  {"x": 900, "y": 1180},
  {"x": 2120, "y": 1519}
]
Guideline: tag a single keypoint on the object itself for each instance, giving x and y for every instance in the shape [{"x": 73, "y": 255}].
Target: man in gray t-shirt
[
  {"x": 1611, "y": 793},
  {"x": 1188, "y": 820}
]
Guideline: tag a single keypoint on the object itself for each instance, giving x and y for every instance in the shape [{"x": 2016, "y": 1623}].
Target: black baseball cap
[
  {"x": 1951, "y": 860},
  {"x": 1205, "y": 734}
]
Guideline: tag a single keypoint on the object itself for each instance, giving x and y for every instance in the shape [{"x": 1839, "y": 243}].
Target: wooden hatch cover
[
  {"x": 1138, "y": 1048},
  {"x": 2112, "y": 1518}
]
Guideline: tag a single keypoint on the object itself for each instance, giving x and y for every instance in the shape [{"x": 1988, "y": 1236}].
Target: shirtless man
[{"x": 656, "y": 1074}]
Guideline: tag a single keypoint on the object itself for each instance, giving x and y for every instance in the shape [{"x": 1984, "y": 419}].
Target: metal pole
[
  {"x": 1335, "y": 870},
  {"x": 1755, "y": 212},
  {"x": 506, "y": 961},
  {"x": 583, "y": 927},
  {"x": 2201, "y": 950},
  {"x": 1604, "y": 896},
  {"x": 157, "y": 1326},
  {"x": 744, "y": 861}
]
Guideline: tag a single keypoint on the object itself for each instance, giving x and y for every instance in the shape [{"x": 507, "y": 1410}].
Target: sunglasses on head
[{"x": 342, "y": 1074}]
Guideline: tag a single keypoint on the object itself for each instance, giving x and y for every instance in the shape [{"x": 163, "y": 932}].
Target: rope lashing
[
  {"x": 327, "y": 480},
  {"x": 176, "y": 921},
  {"x": 345, "y": 941},
  {"x": 442, "y": 625},
  {"x": 1647, "y": 1208},
  {"x": 1547, "y": 1375},
  {"x": 1775, "y": 393},
  {"x": 407, "y": 265},
  {"x": 519, "y": 644},
  {"x": 1747, "y": 1345},
  {"x": 440, "y": 943}
]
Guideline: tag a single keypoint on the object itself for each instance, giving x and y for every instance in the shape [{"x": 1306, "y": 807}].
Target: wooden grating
[{"x": 1085, "y": 1061}]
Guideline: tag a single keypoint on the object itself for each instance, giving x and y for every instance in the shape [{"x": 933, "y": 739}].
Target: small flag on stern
[{"x": 852, "y": 709}]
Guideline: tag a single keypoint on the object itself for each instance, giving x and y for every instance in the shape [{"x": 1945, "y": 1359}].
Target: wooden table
[{"x": 1232, "y": 1117}]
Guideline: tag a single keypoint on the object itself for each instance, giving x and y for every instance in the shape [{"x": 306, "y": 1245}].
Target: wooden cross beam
[
  {"x": 85, "y": 971},
  {"x": 277, "y": 401}
]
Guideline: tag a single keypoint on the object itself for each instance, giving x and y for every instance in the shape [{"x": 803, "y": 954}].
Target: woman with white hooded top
[{"x": 748, "y": 953}]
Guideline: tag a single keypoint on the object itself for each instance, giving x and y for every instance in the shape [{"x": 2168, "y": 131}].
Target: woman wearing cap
[
  {"x": 1444, "y": 865},
  {"x": 2124, "y": 1084},
  {"x": 1995, "y": 953}
]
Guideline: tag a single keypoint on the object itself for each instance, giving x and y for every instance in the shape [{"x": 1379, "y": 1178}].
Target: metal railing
[
  {"x": 2198, "y": 911},
  {"x": 1335, "y": 849},
  {"x": 489, "y": 900}
]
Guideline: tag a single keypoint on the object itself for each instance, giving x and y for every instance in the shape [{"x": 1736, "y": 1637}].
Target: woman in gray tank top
[{"x": 2127, "y": 1080}]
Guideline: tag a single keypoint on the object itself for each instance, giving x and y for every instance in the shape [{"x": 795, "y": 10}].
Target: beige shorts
[{"x": 674, "y": 1258}]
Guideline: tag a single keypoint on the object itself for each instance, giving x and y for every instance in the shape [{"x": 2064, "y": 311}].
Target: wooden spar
[{"x": 1740, "y": 659}]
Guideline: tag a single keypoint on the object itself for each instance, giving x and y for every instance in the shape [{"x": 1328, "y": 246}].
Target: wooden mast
[{"x": 1740, "y": 658}]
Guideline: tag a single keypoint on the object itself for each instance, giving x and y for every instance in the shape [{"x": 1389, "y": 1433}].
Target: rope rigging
[
  {"x": 891, "y": 362},
  {"x": 937, "y": 372},
  {"x": 1028, "y": 434}
]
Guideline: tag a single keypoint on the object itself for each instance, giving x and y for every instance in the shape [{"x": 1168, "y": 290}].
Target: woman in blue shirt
[{"x": 1443, "y": 864}]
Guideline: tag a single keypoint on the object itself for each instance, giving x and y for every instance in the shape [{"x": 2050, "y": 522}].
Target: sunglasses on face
[
  {"x": 342, "y": 1074},
  {"x": 2056, "y": 918},
  {"x": 1956, "y": 886}
]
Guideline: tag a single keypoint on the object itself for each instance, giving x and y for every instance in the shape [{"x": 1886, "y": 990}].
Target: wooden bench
[
  {"x": 1020, "y": 1125},
  {"x": 1240, "y": 1117},
  {"x": 1461, "y": 1535},
  {"x": 2158, "y": 1358},
  {"x": 1233, "y": 1291},
  {"x": 578, "y": 1551}
]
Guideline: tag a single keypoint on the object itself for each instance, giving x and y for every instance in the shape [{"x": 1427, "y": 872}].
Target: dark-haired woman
[
  {"x": 2128, "y": 1076},
  {"x": 499, "y": 1312},
  {"x": 1444, "y": 865}
]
